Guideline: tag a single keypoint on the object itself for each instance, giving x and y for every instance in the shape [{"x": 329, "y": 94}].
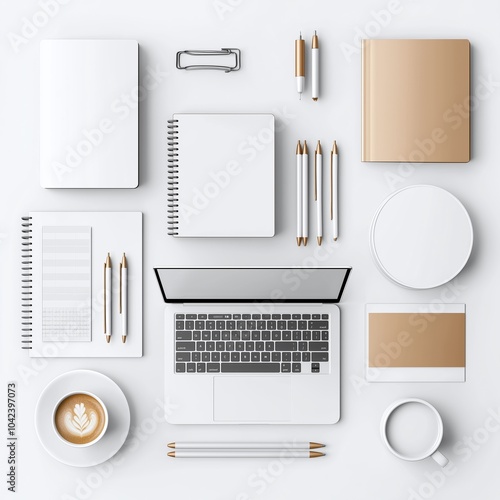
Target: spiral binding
[
  {"x": 27, "y": 275},
  {"x": 173, "y": 178}
]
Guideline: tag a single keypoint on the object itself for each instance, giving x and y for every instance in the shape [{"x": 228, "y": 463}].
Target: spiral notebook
[
  {"x": 63, "y": 255},
  {"x": 221, "y": 175}
]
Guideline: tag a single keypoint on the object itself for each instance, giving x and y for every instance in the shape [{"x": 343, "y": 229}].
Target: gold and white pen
[
  {"x": 107, "y": 298},
  {"x": 123, "y": 296},
  {"x": 300, "y": 73},
  {"x": 334, "y": 190},
  {"x": 305, "y": 194},
  {"x": 318, "y": 190},
  {"x": 298, "y": 153},
  {"x": 315, "y": 67}
]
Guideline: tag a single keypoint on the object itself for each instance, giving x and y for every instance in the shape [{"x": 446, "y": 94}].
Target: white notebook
[
  {"x": 63, "y": 283},
  {"x": 221, "y": 175},
  {"x": 89, "y": 118}
]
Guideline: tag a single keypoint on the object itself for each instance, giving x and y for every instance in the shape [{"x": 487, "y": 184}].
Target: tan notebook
[
  {"x": 415, "y": 342},
  {"x": 415, "y": 101}
]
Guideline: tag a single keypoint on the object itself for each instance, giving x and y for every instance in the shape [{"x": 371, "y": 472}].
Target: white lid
[{"x": 421, "y": 237}]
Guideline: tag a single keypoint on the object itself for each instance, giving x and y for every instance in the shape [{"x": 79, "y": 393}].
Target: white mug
[{"x": 412, "y": 429}]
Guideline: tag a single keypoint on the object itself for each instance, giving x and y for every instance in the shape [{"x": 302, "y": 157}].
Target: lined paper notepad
[{"x": 66, "y": 283}]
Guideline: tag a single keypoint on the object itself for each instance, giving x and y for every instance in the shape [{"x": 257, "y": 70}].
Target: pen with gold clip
[
  {"x": 107, "y": 298},
  {"x": 334, "y": 190},
  {"x": 300, "y": 74},
  {"x": 305, "y": 194},
  {"x": 298, "y": 153},
  {"x": 123, "y": 296},
  {"x": 318, "y": 190},
  {"x": 315, "y": 67}
]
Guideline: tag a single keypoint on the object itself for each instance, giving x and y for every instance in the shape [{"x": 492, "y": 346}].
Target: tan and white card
[{"x": 415, "y": 342}]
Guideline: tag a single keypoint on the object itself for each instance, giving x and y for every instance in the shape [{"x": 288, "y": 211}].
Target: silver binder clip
[{"x": 222, "y": 52}]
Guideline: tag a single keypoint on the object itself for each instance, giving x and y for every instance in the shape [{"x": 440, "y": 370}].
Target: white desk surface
[{"x": 357, "y": 466}]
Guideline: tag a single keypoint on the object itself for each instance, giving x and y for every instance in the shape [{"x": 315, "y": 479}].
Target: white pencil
[
  {"x": 245, "y": 454},
  {"x": 298, "y": 153},
  {"x": 305, "y": 194},
  {"x": 334, "y": 195},
  {"x": 248, "y": 445},
  {"x": 318, "y": 190}
]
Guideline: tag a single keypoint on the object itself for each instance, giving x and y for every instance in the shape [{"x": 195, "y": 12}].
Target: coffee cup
[
  {"x": 80, "y": 419},
  {"x": 412, "y": 429}
]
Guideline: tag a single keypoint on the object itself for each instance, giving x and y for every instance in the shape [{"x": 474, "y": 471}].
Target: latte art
[{"x": 80, "y": 419}]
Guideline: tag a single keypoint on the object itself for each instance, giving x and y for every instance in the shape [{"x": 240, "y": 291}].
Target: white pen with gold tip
[
  {"x": 305, "y": 194},
  {"x": 334, "y": 190},
  {"x": 245, "y": 454},
  {"x": 298, "y": 153},
  {"x": 107, "y": 298},
  {"x": 315, "y": 67},
  {"x": 123, "y": 296},
  {"x": 300, "y": 73},
  {"x": 245, "y": 445},
  {"x": 318, "y": 190}
]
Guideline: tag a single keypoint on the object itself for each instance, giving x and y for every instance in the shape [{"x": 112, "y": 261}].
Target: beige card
[{"x": 415, "y": 342}]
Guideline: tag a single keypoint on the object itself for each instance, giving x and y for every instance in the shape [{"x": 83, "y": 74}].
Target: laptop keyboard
[{"x": 252, "y": 343}]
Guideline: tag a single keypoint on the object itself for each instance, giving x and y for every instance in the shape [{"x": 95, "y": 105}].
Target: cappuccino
[{"x": 80, "y": 419}]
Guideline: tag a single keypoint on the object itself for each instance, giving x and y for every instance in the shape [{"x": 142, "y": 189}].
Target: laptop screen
[{"x": 246, "y": 284}]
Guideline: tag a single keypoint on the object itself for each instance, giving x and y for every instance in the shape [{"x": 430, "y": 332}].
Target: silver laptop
[{"x": 254, "y": 345}]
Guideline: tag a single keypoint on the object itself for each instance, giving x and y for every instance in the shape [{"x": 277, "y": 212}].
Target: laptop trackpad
[{"x": 252, "y": 399}]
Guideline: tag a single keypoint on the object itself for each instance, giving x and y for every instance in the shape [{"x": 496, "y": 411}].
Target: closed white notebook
[
  {"x": 63, "y": 283},
  {"x": 221, "y": 175},
  {"x": 89, "y": 118}
]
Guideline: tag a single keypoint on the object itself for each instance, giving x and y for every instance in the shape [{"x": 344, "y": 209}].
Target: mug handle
[{"x": 440, "y": 458}]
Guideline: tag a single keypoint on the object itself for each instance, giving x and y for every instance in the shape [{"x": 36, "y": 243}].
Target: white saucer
[
  {"x": 116, "y": 404},
  {"x": 421, "y": 237}
]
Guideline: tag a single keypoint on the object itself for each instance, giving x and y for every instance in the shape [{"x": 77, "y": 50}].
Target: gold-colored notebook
[{"x": 415, "y": 101}]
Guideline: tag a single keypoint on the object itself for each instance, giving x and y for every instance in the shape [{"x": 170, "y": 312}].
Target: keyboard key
[
  {"x": 179, "y": 335},
  {"x": 255, "y": 316},
  {"x": 196, "y": 356},
  {"x": 286, "y": 367},
  {"x": 276, "y": 335},
  {"x": 245, "y": 335},
  {"x": 324, "y": 335},
  {"x": 219, "y": 346},
  {"x": 261, "y": 325},
  {"x": 269, "y": 346},
  {"x": 200, "y": 346},
  {"x": 225, "y": 356},
  {"x": 266, "y": 335},
  {"x": 235, "y": 357},
  {"x": 240, "y": 346},
  {"x": 315, "y": 367},
  {"x": 264, "y": 357},
  {"x": 286, "y": 356},
  {"x": 250, "y": 367},
  {"x": 184, "y": 346},
  {"x": 245, "y": 316},
  {"x": 213, "y": 367},
  {"x": 302, "y": 346},
  {"x": 296, "y": 356},
  {"x": 324, "y": 316},
  {"x": 306, "y": 357},
  {"x": 179, "y": 325},
  {"x": 220, "y": 325},
  {"x": 296, "y": 335},
  {"x": 249, "y": 346},
  {"x": 189, "y": 325},
  {"x": 276, "y": 356},
  {"x": 306, "y": 316},
  {"x": 281, "y": 325},
  {"x": 191, "y": 367},
  {"x": 286, "y": 335},
  {"x": 271, "y": 325},
  {"x": 202, "y": 316},
  {"x": 259, "y": 346},
  {"x": 226, "y": 335},
  {"x": 291, "y": 325},
  {"x": 296, "y": 367},
  {"x": 320, "y": 356},
  {"x": 205, "y": 335},
  {"x": 190, "y": 316},
  {"x": 210, "y": 346},
  {"x": 179, "y": 316},
  {"x": 200, "y": 367},
  {"x": 276, "y": 316},
  {"x": 216, "y": 335},
  {"x": 245, "y": 356},
  {"x": 235, "y": 335},
  {"x": 230, "y": 325},
  {"x": 255, "y": 357},
  {"x": 219, "y": 316},
  {"x": 318, "y": 346},
  {"x": 287, "y": 346},
  {"x": 215, "y": 356},
  {"x": 316, "y": 335},
  {"x": 199, "y": 325},
  {"x": 266, "y": 316},
  {"x": 316, "y": 316},
  {"x": 230, "y": 346},
  {"x": 302, "y": 325},
  {"x": 240, "y": 325},
  {"x": 180, "y": 367},
  {"x": 236, "y": 316},
  {"x": 318, "y": 325},
  {"x": 183, "y": 356},
  {"x": 210, "y": 325},
  {"x": 196, "y": 335},
  {"x": 251, "y": 325},
  {"x": 205, "y": 356},
  {"x": 295, "y": 316},
  {"x": 286, "y": 316},
  {"x": 306, "y": 335}
]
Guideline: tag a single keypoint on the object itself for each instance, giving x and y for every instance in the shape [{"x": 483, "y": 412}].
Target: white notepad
[
  {"x": 89, "y": 118},
  {"x": 221, "y": 175}
]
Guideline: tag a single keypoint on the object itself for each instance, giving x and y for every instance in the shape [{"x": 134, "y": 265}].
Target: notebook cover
[
  {"x": 225, "y": 175},
  {"x": 415, "y": 101},
  {"x": 415, "y": 342},
  {"x": 89, "y": 118}
]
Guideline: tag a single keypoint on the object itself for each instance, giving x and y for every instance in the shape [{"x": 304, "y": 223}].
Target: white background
[{"x": 357, "y": 465}]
